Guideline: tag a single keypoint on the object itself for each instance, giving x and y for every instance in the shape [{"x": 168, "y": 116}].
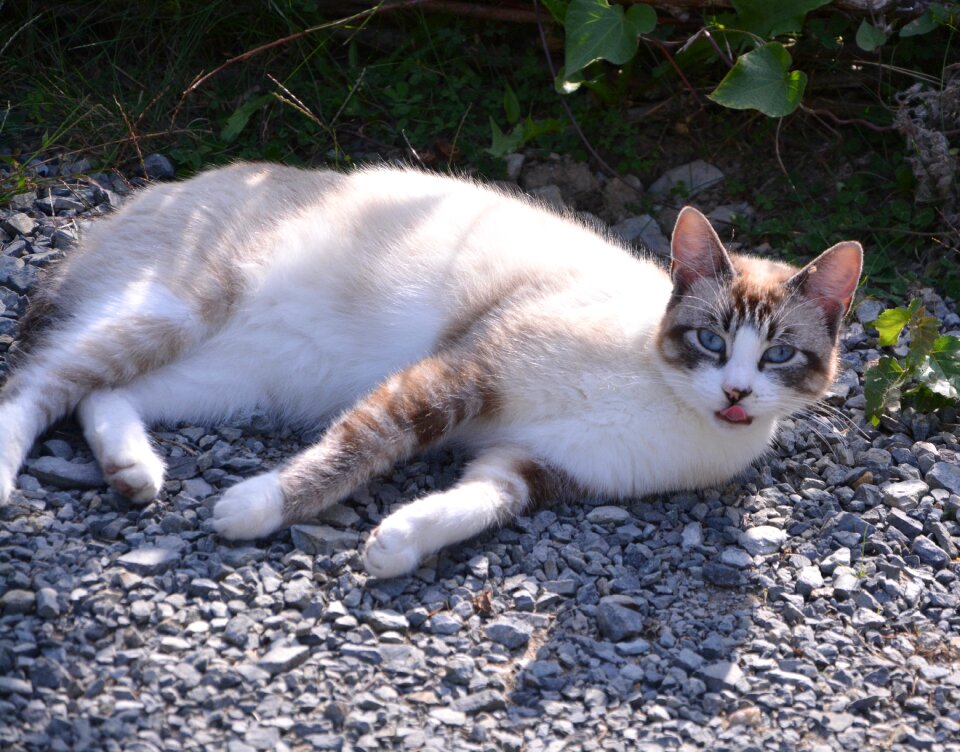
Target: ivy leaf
[
  {"x": 241, "y": 116},
  {"x": 869, "y": 37},
  {"x": 769, "y": 19},
  {"x": 891, "y": 322},
  {"x": 557, "y": 8},
  {"x": 924, "y": 331},
  {"x": 511, "y": 105},
  {"x": 879, "y": 385},
  {"x": 504, "y": 143},
  {"x": 596, "y": 31},
  {"x": 762, "y": 80},
  {"x": 922, "y": 25}
]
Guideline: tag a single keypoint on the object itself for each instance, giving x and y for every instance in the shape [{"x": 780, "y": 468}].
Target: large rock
[{"x": 691, "y": 178}]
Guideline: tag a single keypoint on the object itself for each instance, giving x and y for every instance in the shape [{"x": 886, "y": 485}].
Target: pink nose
[{"x": 735, "y": 395}]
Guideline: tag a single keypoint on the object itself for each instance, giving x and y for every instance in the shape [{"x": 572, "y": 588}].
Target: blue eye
[
  {"x": 711, "y": 341},
  {"x": 779, "y": 353}
]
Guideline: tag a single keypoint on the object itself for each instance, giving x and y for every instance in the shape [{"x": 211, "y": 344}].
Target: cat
[{"x": 412, "y": 309}]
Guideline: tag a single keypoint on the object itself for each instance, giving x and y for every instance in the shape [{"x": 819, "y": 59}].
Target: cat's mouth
[{"x": 734, "y": 414}]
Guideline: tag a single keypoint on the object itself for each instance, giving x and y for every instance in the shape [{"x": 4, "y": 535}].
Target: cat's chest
[{"x": 631, "y": 436}]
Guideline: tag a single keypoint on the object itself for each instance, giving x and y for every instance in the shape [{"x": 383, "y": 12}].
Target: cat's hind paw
[
  {"x": 251, "y": 509},
  {"x": 391, "y": 550},
  {"x": 139, "y": 479}
]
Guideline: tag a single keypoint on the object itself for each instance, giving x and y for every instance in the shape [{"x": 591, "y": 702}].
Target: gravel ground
[{"x": 810, "y": 605}]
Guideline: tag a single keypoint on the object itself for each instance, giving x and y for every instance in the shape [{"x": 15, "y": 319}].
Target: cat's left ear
[
  {"x": 696, "y": 251},
  {"x": 831, "y": 279}
]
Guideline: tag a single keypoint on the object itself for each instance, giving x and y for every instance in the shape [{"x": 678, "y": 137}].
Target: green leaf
[
  {"x": 924, "y": 331},
  {"x": 762, "y": 80},
  {"x": 596, "y": 31},
  {"x": 869, "y": 37},
  {"x": 880, "y": 384},
  {"x": 504, "y": 143},
  {"x": 922, "y": 25},
  {"x": 241, "y": 116},
  {"x": 511, "y": 105},
  {"x": 557, "y": 8},
  {"x": 890, "y": 323},
  {"x": 769, "y": 18}
]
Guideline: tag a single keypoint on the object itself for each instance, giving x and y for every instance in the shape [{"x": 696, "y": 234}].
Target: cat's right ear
[{"x": 696, "y": 251}]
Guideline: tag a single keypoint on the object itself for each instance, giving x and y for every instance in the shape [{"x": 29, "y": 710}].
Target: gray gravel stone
[
  {"x": 609, "y": 515},
  {"x": 693, "y": 177},
  {"x": 762, "y": 540},
  {"x": 808, "y": 580},
  {"x": 509, "y": 632},
  {"x": 904, "y": 523},
  {"x": 643, "y": 230},
  {"x": 323, "y": 540},
  {"x": 722, "y": 675},
  {"x": 47, "y": 605},
  {"x": 944, "y": 475},
  {"x": 19, "y": 224},
  {"x": 17, "y": 601},
  {"x": 283, "y": 658},
  {"x": 929, "y": 552},
  {"x": 620, "y": 617},
  {"x": 149, "y": 560},
  {"x": 904, "y": 494},
  {"x": 11, "y": 685},
  {"x": 65, "y": 474}
]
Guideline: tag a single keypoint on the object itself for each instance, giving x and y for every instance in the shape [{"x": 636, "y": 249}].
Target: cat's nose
[{"x": 735, "y": 395}]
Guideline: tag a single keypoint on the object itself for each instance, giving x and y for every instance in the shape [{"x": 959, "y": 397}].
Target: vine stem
[{"x": 573, "y": 120}]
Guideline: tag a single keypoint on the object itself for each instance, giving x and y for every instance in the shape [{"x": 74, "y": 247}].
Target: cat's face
[{"x": 749, "y": 340}]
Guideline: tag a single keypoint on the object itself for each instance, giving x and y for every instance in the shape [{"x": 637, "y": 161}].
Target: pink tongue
[{"x": 735, "y": 414}]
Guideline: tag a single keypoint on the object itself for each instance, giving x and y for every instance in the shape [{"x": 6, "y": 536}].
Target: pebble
[
  {"x": 283, "y": 658},
  {"x": 149, "y": 560},
  {"x": 944, "y": 475},
  {"x": 608, "y": 515},
  {"x": 929, "y": 552},
  {"x": 620, "y": 617},
  {"x": 763, "y": 540},
  {"x": 48, "y": 606},
  {"x": 509, "y": 632},
  {"x": 17, "y": 601},
  {"x": 904, "y": 494},
  {"x": 65, "y": 474}
]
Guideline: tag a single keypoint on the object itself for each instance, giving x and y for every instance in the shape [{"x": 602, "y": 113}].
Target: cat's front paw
[
  {"x": 6, "y": 485},
  {"x": 251, "y": 509},
  {"x": 137, "y": 476},
  {"x": 391, "y": 550}
]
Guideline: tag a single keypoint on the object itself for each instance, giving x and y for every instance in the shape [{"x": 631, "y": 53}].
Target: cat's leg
[
  {"x": 82, "y": 356},
  {"x": 497, "y": 486},
  {"x": 407, "y": 413},
  {"x": 116, "y": 434}
]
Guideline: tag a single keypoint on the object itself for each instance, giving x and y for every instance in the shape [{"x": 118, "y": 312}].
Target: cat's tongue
[{"x": 734, "y": 414}]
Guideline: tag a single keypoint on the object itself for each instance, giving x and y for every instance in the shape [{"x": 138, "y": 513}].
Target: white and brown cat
[{"x": 413, "y": 309}]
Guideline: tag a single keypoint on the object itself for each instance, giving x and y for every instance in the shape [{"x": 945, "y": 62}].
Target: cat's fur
[{"x": 417, "y": 308}]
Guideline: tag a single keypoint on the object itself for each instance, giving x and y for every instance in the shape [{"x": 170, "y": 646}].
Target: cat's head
[{"x": 745, "y": 338}]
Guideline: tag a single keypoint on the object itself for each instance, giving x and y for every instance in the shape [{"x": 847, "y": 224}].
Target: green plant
[
  {"x": 752, "y": 40},
  {"x": 928, "y": 376}
]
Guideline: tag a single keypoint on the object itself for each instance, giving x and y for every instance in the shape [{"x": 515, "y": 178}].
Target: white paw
[
  {"x": 136, "y": 475},
  {"x": 251, "y": 509},
  {"x": 391, "y": 550},
  {"x": 6, "y": 485}
]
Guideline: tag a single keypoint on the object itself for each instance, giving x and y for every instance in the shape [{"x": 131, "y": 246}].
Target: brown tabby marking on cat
[{"x": 411, "y": 411}]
